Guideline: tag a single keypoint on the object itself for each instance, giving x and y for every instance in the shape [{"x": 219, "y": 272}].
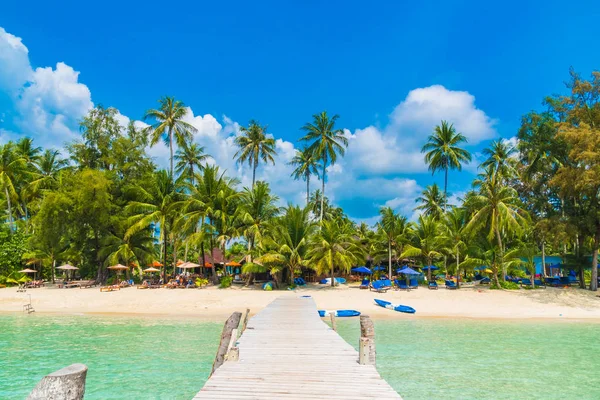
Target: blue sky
[{"x": 391, "y": 70}]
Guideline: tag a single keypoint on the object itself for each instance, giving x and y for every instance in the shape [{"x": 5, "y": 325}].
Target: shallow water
[
  {"x": 470, "y": 359},
  {"x": 128, "y": 358},
  {"x": 146, "y": 358}
]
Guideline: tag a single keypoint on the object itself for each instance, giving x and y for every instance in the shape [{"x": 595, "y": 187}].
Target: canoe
[
  {"x": 339, "y": 313},
  {"x": 395, "y": 307}
]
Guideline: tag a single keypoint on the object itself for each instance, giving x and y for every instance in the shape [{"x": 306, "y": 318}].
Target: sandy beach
[{"x": 214, "y": 303}]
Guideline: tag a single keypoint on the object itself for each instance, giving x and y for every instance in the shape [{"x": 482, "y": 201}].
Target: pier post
[
  {"x": 65, "y": 384},
  {"x": 366, "y": 348},
  {"x": 333, "y": 325},
  {"x": 232, "y": 323},
  {"x": 245, "y": 323}
]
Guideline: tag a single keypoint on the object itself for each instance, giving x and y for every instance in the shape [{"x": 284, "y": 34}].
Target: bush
[
  {"x": 226, "y": 282},
  {"x": 505, "y": 285},
  {"x": 200, "y": 282}
]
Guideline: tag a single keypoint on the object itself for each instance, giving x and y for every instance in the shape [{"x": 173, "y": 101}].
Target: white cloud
[
  {"x": 15, "y": 69},
  {"x": 424, "y": 108}
]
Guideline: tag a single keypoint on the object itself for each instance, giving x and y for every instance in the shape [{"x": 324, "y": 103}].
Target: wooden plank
[{"x": 288, "y": 352}]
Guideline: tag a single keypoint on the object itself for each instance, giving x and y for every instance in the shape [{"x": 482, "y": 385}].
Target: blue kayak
[
  {"x": 395, "y": 307},
  {"x": 327, "y": 281},
  {"x": 339, "y": 313}
]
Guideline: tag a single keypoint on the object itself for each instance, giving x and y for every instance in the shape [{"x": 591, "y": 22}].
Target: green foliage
[
  {"x": 12, "y": 248},
  {"x": 226, "y": 281},
  {"x": 201, "y": 282}
]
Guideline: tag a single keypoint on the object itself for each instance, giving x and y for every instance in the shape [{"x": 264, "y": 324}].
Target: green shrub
[
  {"x": 226, "y": 281},
  {"x": 506, "y": 286},
  {"x": 200, "y": 282}
]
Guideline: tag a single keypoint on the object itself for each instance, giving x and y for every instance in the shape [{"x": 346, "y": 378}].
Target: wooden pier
[{"x": 288, "y": 352}]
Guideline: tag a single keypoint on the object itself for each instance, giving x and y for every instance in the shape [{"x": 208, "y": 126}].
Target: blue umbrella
[
  {"x": 407, "y": 271},
  {"x": 379, "y": 268},
  {"x": 362, "y": 270},
  {"x": 430, "y": 267}
]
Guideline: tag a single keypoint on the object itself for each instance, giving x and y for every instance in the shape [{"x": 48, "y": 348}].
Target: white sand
[{"x": 214, "y": 303}]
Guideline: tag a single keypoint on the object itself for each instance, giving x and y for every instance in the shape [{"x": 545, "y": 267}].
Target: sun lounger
[
  {"x": 401, "y": 285},
  {"x": 433, "y": 285},
  {"x": 450, "y": 285},
  {"x": 378, "y": 286},
  {"x": 111, "y": 288},
  {"x": 387, "y": 283},
  {"x": 413, "y": 283},
  {"x": 364, "y": 284}
]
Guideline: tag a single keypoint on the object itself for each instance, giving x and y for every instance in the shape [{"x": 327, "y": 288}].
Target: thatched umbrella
[
  {"x": 118, "y": 267},
  {"x": 67, "y": 267},
  {"x": 28, "y": 271}
]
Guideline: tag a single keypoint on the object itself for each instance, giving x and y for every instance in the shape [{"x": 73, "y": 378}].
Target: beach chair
[
  {"x": 525, "y": 282},
  {"x": 378, "y": 287},
  {"x": 564, "y": 281},
  {"x": 401, "y": 285},
  {"x": 433, "y": 285},
  {"x": 450, "y": 285},
  {"x": 364, "y": 284},
  {"x": 387, "y": 283},
  {"x": 413, "y": 283},
  {"x": 539, "y": 283}
]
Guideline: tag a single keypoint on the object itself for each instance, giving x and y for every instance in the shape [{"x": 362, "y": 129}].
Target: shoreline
[{"x": 213, "y": 304}]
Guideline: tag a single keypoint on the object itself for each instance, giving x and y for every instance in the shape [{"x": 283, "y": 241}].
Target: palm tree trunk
[
  {"x": 500, "y": 254},
  {"x": 254, "y": 172},
  {"x": 428, "y": 270},
  {"x": 594, "y": 281},
  {"x": 192, "y": 173},
  {"x": 171, "y": 149},
  {"x": 446, "y": 189},
  {"x": 307, "y": 189},
  {"x": 165, "y": 239},
  {"x": 390, "y": 259},
  {"x": 332, "y": 275},
  {"x": 457, "y": 268},
  {"x": 543, "y": 258},
  {"x": 10, "y": 218},
  {"x": 323, "y": 188},
  {"x": 53, "y": 269}
]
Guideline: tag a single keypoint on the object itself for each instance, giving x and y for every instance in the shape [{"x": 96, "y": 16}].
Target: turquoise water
[
  {"x": 146, "y": 358},
  {"x": 469, "y": 359},
  {"x": 128, "y": 358}
]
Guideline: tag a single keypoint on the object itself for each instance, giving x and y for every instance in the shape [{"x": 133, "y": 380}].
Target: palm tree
[
  {"x": 333, "y": 245},
  {"x": 208, "y": 208},
  {"x": 306, "y": 165},
  {"x": 254, "y": 145},
  {"x": 390, "y": 227},
  {"x": 325, "y": 143},
  {"x": 47, "y": 168},
  {"x": 11, "y": 166},
  {"x": 500, "y": 159},
  {"x": 287, "y": 240},
  {"x": 169, "y": 125},
  {"x": 497, "y": 209},
  {"x": 188, "y": 157},
  {"x": 25, "y": 149},
  {"x": 432, "y": 201},
  {"x": 424, "y": 242},
  {"x": 118, "y": 247},
  {"x": 257, "y": 208},
  {"x": 156, "y": 205},
  {"x": 442, "y": 152},
  {"x": 453, "y": 230}
]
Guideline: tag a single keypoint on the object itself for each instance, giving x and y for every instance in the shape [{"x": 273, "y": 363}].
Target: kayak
[
  {"x": 339, "y": 313},
  {"x": 395, "y": 307},
  {"x": 327, "y": 281}
]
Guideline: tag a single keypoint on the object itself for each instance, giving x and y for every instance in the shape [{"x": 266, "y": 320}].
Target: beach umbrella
[
  {"x": 208, "y": 265},
  {"x": 156, "y": 264},
  {"x": 233, "y": 264},
  {"x": 118, "y": 267},
  {"x": 151, "y": 269},
  {"x": 362, "y": 270},
  {"x": 189, "y": 265},
  {"x": 407, "y": 271},
  {"x": 430, "y": 267},
  {"x": 380, "y": 268},
  {"x": 27, "y": 271},
  {"x": 67, "y": 267}
]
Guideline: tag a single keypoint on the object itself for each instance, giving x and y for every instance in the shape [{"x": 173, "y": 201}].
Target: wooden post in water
[
  {"x": 65, "y": 384},
  {"x": 366, "y": 348},
  {"x": 333, "y": 325},
  {"x": 245, "y": 323},
  {"x": 224, "y": 345}
]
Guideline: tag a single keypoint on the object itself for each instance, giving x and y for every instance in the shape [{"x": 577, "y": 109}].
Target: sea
[{"x": 171, "y": 358}]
